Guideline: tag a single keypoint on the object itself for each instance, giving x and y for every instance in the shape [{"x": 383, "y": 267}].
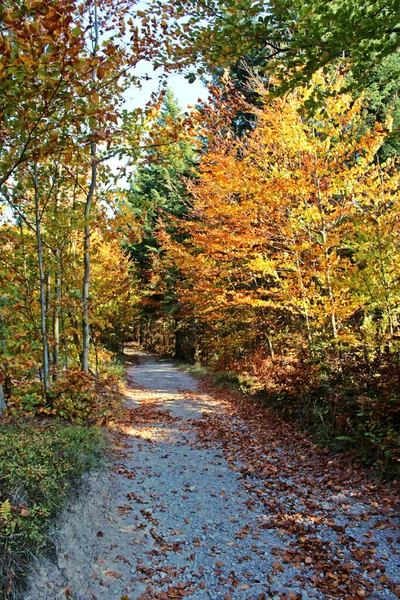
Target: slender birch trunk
[
  {"x": 56, "y": 316},
  {"x": 42, "y": 279},
  {"x": 2, "y": 396},
  {"x": 58, "y": 292},
  {"x": 86, "y": 244},
  {"x": 326, "y": 255},
  {"x": 304, "y": 300},
  {"x": 86, "y": 263}
]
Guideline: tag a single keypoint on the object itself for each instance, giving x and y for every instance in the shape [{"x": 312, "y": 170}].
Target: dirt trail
[{"x": 177, "y": 514}]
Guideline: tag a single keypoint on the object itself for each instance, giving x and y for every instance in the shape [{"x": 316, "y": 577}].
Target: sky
[{"x": 186, "y": 93}]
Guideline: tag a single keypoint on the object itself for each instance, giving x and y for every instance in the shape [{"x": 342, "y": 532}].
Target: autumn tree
[
  {"x": 274, "y": 262},
  {"x": 64, "y": 67},
  {"x": 21, "y": 307}
]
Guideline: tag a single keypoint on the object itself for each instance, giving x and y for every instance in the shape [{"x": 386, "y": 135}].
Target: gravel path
[{"x": 175, "y": 516}]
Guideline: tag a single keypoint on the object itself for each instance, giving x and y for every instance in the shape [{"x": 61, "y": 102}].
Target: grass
[
  {"x": 40, "y": 464},
  {"x": 225, "y": 379},
  {"x": 197, "y": 370}
]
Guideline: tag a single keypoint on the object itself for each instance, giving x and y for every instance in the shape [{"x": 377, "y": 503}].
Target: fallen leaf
[
  {"x": 113, "y": 574},
  {"x": 277, "y": 567},
  {"x": 122, "y": 558}
]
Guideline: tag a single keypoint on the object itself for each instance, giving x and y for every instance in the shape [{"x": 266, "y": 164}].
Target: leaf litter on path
[{"x": 214, "y": 497}]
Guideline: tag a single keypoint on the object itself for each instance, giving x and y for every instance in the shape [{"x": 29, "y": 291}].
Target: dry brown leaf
[
  {"x": 277, "y": 567},
  {"x": 113, "y": 574}
]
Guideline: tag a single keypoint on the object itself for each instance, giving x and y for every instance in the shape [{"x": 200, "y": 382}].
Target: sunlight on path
[{"x": 180, "y": 515}]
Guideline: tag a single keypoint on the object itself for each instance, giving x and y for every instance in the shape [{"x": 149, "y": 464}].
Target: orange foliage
[{"x": 289, "y": 264}]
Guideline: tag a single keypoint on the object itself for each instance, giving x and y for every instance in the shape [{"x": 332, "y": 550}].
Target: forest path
[{"x": 200, "y": 501}]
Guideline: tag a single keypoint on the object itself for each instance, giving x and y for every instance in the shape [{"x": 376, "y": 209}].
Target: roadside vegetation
[
  {"x": 41, "y": 463},
  {"x": 367, "y": 445},
  {"x": 44, "y": 452}
]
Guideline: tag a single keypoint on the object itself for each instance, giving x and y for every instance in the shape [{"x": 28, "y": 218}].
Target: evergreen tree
[
  {"x": 159, "y": 198},
  {"x": 383, "y": 94},
  {"x": 158, "y": 191}
]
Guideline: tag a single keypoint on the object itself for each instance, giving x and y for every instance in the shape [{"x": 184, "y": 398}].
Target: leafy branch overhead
[{"x": 294, "y": 38}]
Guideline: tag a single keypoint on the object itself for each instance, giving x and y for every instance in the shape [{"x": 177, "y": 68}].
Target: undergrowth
[
  {"x": 40, "y": 464},
  {"x": 349, "y": 423},
  {"x": 76, "y": 396},
  {"x": 226, "y": 379}
]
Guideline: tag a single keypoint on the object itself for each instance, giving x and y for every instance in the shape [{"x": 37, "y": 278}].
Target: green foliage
[
  {"x": 158, "y": 192},
  {"x": 383, "y": 101},
  {"x": 196, "y": 370},
  {"x": 40, "y": 464},
  {"x": 243, "y": 382},
  {"x": 320, "y": 32},
  {"x": 159, "y": 198},
  {"x": 292, "y": 40}
]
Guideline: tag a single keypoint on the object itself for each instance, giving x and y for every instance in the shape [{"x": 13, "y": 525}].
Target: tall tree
[
  {"x": 269, "y": 250},
  {"x": 159, "y": 197},
  {"x": 63, "y": 68}
]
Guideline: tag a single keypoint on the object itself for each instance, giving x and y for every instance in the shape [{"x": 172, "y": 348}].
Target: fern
[{"x": 5, "y": 510}]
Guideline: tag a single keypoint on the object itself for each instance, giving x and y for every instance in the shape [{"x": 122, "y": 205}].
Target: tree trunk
[
  {"x": 28, "y": 290},
  {"x": 86, "y": 263},
  {"x": 56, "y": 318},
  {"x": 179, "y": 343},
  {"x": 304, "y": 300},
  {"x": 326, "y": 255},
  {"x": 3, "y": 404},
  {"x": 42, "y": 279},
  {"x": 86, "y": 243}
]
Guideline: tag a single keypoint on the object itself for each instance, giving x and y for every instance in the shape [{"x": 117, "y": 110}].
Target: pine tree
[{"x": 159, "y": 198}]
